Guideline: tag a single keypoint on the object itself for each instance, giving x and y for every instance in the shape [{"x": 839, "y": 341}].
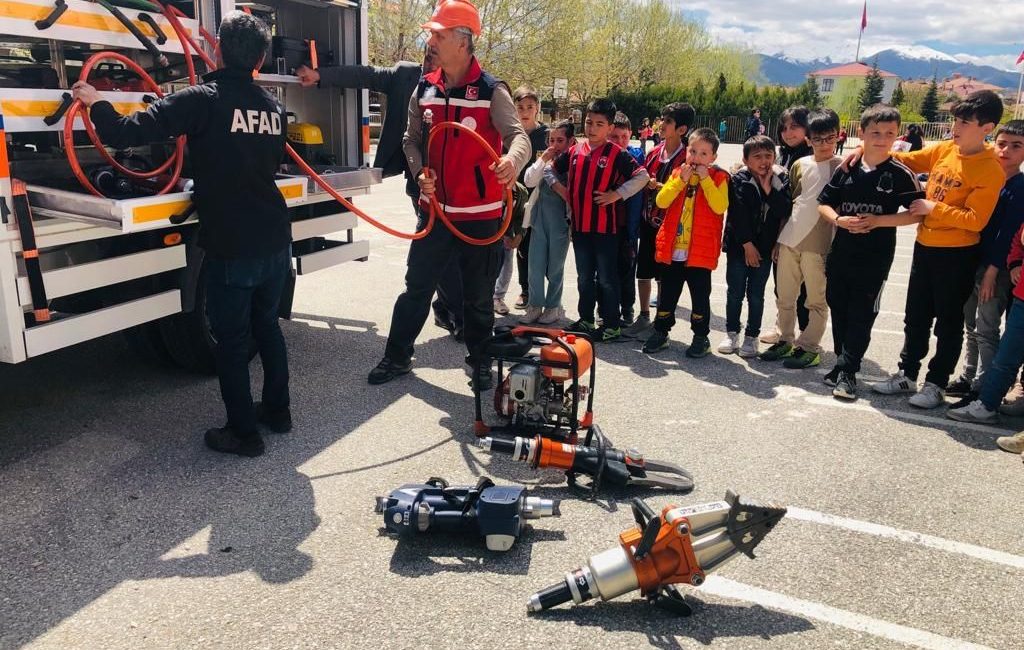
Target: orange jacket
[{"x": 706, "y": 240}]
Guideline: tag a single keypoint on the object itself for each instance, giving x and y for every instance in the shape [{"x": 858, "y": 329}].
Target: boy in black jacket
[{"x": 758, "y": 204}]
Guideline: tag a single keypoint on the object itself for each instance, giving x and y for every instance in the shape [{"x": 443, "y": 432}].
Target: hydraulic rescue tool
[
  {"x": 541, "y": 397},
  {"x": 542, "y": 393},
  {"x": 495, "y": 512},
  {"x": 680, "y": 546},
  {"x": 595, "y": 459}
]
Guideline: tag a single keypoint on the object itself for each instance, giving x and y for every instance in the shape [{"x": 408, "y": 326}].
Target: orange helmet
[{"x": 450, "y": 14}]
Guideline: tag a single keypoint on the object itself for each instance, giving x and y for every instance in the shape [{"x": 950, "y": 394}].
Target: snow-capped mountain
[{"x": 907, "y": 61}]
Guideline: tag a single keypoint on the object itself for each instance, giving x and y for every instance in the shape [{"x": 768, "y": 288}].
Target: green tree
[
  {"x": 809, "y": 94},
  {"x": 898, "y": 96},
  {"x": 722, "y": 86},
  {"x": 930, "y": 103},
  {"x": 871, "y": 94}
]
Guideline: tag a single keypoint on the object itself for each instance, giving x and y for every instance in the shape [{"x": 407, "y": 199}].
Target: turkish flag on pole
[
  {"x": 1020, "y": 58},
  {"x": 864, "y": 20}
]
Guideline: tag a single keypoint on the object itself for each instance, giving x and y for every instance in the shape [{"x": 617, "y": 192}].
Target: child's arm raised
[
  {"x": 671, "y": 189},
  {"x": 717, "y": 195}
]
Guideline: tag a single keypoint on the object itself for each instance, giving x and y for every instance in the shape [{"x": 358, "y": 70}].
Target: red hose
[{"x": 187, "y": 43}]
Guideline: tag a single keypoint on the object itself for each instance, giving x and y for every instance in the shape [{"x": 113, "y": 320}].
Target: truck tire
[
  {"x": 188, "y": 337},
  {"x": 147, "y": 343}
]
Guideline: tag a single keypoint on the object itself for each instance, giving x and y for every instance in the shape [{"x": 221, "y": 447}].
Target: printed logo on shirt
[
  {"x": 256, "y": 122},
  {"x": 472, "y": 92},
  {"x": 602, "y": 162},
  {"x": 885, "y": 183},
  {"x": 849, "y": 207},
  {"x": 469, "y": 122}
]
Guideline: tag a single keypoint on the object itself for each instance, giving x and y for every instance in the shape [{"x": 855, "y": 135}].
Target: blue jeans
[
  {"x": 597, "y": 270},
  {"x": 242, "y": 300},
  {"x": 1005, "y": 367},
  {"x": 549, "y": 244},
  {"x": 743, "y": 280}
]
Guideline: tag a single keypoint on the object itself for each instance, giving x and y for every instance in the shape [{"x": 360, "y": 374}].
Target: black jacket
[
  {"x": 752, "y": 216},
  {"x": 397, "y": 83},
  {"x": 236, "y": 138}
]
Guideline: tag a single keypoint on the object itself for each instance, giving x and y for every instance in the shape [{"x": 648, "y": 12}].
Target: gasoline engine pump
[
  {"x": 679, "y": 546},
  {"x": 540, "y": 397},
  {"x": 494, "y": 512}
]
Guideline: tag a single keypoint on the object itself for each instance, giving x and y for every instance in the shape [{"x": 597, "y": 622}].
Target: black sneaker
[
  {"x": 226, "y": 441},
  {"x": 444, "y": 323},
  {"x": 846, "y": 386},
  {"x": 387, "y": 370},
  {"x": 276, "y": 421},
  {"x": 959, "y": 388},
  {"x": 584, "y": 326},
  {"x": 964, "y": 401},
  {"x": 656, "y": 342},
  {"x": 831, "y": 378},
  {"x": 700, "y": 347},
  {"x": 606, "y": 334},
  {"x": 626, "y": 320}
]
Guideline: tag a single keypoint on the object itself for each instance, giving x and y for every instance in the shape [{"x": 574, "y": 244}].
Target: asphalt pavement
[{"x": 120, "y": 530}]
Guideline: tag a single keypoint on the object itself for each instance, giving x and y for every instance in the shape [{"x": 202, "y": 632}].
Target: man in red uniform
[{"x": 469, "y": 186}]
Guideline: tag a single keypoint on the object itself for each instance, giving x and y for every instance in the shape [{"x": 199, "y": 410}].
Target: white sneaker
[
  {"x": 771, "y": 338},
  {"x": 551, "y": 315},
  {"x": 973, "y": 412},
  {"x": 930, "y": 396},
  {"x": 1013, "y": 404},
  {"x": 500, "y": 307},
  {"x": 532, "y": 315},
  {"x": 894, "y": 385},
  {"x": 730, "y": 344},
  {"x": 750, "y": 347}
]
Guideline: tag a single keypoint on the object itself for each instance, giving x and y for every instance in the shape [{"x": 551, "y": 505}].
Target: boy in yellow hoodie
[{"x": 964, "y": 182}]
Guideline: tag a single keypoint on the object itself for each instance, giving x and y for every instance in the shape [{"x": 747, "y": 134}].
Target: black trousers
[
  {"x": 941, "y": 281},
  {"x": 673, "y": 277},
  {"x": 854, "y": 298},
  {"x": 427, "y": 262},
  {"x": 448, "y": 304},
  {"x": 523, "y": 264}
]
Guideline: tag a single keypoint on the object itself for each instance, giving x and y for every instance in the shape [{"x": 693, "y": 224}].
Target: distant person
[
  {"x": 963, "y": 188},
  {"x": 722, "y": 128},
  {"x": 754, "y": 124},
  {"x": 841, "y": 140},
  {"x": 644, "y": 134},
  {"x": 915, "y": 137},
  {"x": 759, "y": 204},
  {"x": 689, "y": 241},
  {"x": 862, "y": 204},
  {"x": 656, "y": 131}
]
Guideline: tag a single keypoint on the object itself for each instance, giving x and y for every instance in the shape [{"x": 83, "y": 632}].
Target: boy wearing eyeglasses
[{"x": 803, "y": 244}]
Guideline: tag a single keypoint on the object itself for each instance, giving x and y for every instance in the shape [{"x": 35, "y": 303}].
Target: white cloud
[{"x": 804, "y": 30}]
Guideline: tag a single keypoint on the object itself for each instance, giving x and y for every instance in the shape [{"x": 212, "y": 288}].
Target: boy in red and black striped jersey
[{"x": 600, "y": 177}]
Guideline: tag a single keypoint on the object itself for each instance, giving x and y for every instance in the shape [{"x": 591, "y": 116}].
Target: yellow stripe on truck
[
  {"x": 42, "y": 107},
  {"x": 291, "y": 191},
  {"x": 81, "y": 19},
  {"x": 159, "y": 211}
]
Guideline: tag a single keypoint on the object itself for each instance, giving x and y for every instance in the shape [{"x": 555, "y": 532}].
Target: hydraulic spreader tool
[
  {"x": 680, "y": 546},
  {"x": 495, "y": 512}
]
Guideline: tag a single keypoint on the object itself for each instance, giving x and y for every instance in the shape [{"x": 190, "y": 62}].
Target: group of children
[{"x": 825, "y": 225}]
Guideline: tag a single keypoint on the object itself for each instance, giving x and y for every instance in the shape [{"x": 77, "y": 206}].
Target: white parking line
[
  {"x": 727, "y": 588},
  {"x": 908, "y": 536}
]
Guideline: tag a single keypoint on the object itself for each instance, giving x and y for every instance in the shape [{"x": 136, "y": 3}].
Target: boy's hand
[
  {"x": 512, "y": 242},
  {"x": 505, "y": 170},
  {"x": 606, "y": 198},
  {"x": 549, "y": 154},
  {"x": 848, "y": 223},
  {"x": 751, "y": 254},
  {"x": 852, "y": 159},
  {"x": 864, "y": 223},
  {"x": 987, "y": 290},
  {"x": 653, "y": 184},
  {"x": 921, "y": 207},
  {"x": 1015, "y": 275},
  {"x": 560, "y": 190},
  {"x": 775, "y": 253},
  {"x": 426, "y": 181},
  {"x": 685, "y": 171},
  {"x": 702, "y": 171}
]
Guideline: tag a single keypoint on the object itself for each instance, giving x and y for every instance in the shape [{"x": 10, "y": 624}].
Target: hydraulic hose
[{"x": 187, "y": 44}]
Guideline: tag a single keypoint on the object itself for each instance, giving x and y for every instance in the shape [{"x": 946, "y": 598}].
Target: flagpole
[
  {"x": 1020, "y": 87},
  {"x": 863, "y": 24},
  {"x": 860, "y": 36}
]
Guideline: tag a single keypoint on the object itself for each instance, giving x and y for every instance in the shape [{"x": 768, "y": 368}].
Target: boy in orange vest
[{"x": 689, "y": 241}]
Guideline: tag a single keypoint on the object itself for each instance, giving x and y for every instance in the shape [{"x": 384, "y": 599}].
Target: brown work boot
[
  {"x": 1013, "y": 403},
  {"x": 1013, "y": 444}
]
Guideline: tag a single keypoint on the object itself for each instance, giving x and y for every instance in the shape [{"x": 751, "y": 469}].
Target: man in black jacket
[
  {"x": 397, "y": 83},
  {"x": 236, "y": 141}
]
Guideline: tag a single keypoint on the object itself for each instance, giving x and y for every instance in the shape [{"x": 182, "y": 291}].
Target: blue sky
[{"x": 803, "y": 29}]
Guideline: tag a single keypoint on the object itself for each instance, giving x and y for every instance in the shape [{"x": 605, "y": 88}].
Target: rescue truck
[{"x": 77, "y": 265}]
